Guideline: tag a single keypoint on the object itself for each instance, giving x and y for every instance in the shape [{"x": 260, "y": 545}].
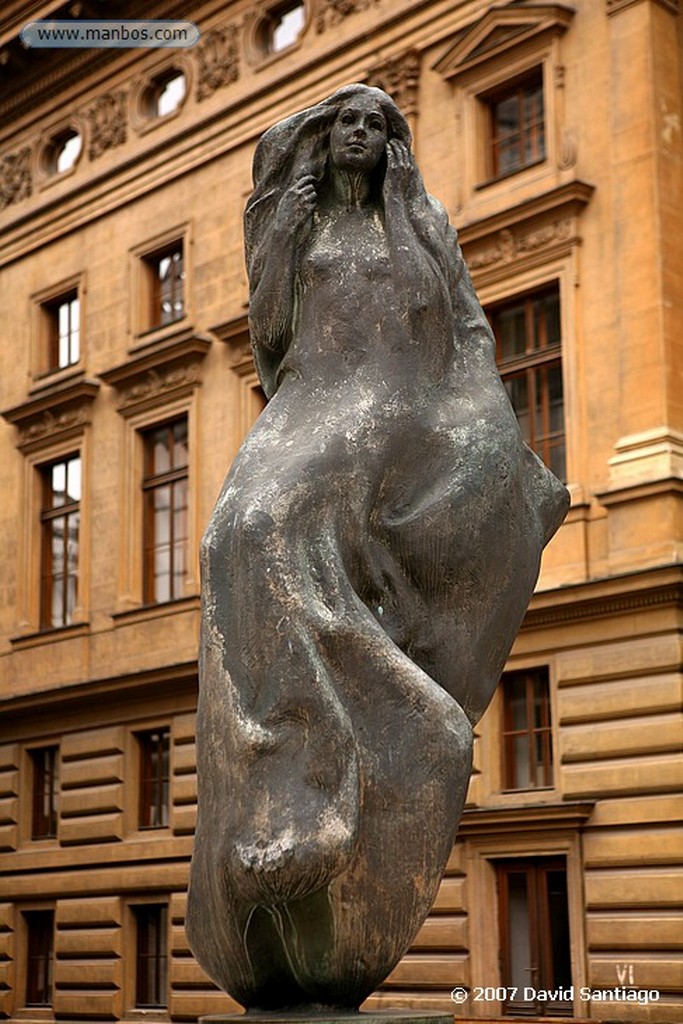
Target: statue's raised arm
[{"x": 364, "y": 573}]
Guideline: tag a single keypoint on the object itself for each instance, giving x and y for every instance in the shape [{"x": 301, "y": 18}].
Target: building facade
[{"x": 552, "y": 133}]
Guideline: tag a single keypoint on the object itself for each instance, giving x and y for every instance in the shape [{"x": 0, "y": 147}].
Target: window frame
[
  {"x": 43, "y": 368},
  {"x": 158, "y": 781},
  {"x": 150, "y": 484},
  {"x": 49, "y": 831},
  {"x": 144, "y": 327},
  {"x": 28, "y": 979},
  {"x": 537, "y": 870},
  {"x": 49, "y": 514},
  {"x": 545, "y": 732},
  {"x": 534, "y": 366},
  {"x": 259, "y": 31},
  {"x": 515, "y": 88},
  {"x": 137, "y": 908},
  {"x": 176, "y": 280},
  {"x": 522, "y": 833},
  {"x": 497, "y": 48}
]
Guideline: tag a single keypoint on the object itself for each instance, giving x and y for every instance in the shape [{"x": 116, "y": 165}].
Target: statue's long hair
[{"x": 299, "y": 146}]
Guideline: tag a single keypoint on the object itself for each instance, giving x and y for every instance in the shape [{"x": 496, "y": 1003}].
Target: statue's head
[{"x": 306, "y": 142}]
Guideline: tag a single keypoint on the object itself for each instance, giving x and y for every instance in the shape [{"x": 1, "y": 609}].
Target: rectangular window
[
  {"x": 45, "y": 791},
  {"x": 165, "y": 511},
  {"x": 166, "y": 276},
  {"x": 529, "y": 355},
  {"x": 151, "y": 977},
  {"x": 60, "y": 521},
  {"x": 154, "y": 778},
  {"x": 534, "y": 936},
  {"x": 63, "y": 316},
  {"x": 527, "y": 733},
  {"x": 517, "y": 125},
  {"x": 40, "y": 926}
]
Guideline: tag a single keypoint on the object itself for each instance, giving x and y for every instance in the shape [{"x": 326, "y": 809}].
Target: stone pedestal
[{"x": 332, "y": 1017}]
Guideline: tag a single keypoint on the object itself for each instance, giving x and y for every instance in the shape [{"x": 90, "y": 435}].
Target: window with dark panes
[
  {"x": 40, "y": 925},
  {"x": 64, "y": 331},
  {"x": 167, "y": 285},
  {"x": 517, "y": 120},
  {"x": 165, "y": 511},
  {"x": 151, "y": 976},
  {"x": 529, "y": 355},
  {"x": 45, "y": 792},
  {"x": 535, "y": 952},
  {"x": 154, "y": 778},
  {"x": 527, "y": 731},
  {"x": 60, "y": 520}
]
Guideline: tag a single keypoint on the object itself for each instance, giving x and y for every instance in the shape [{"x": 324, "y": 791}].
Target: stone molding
[
  {"x": 56, "y": 413},
  {"x": 541, "y": 226},
  {"x": 607, "y": 598},
  {"x": 163, "y": 372},
  {"x": 617, "y": 6},
  {"x": 495, "y": 821},
  {"x": 235, "y": 334}
]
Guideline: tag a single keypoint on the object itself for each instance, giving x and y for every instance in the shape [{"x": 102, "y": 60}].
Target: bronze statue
[{"x": 365, "y": 571}]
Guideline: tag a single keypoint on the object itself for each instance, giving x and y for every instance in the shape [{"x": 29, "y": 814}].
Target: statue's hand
[
  {"x": 400, "y": 169},
  {"x": 295, "y": 211}
]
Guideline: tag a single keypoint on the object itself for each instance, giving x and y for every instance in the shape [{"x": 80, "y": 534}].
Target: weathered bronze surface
[{"x": 365, "y": 571}]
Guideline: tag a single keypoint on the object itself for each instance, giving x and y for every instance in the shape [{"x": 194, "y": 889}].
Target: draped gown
[{"x": 365, "y": 571}]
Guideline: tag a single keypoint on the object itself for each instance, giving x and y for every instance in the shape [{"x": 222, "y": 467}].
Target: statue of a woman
[{"x": 365, "y": 571}]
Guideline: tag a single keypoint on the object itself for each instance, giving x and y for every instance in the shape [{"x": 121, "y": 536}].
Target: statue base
[{"x": 332, "y": 1017}]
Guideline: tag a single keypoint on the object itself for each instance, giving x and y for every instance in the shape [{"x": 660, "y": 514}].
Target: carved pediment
[
  {"x": 58, "y": 412},
  {"x": 158, "y": 374},
  {"x": 501, "y": 29},
  {"x": 532, "y": 232}
]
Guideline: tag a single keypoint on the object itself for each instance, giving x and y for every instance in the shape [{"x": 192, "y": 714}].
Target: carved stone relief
[
  {"x": 331, "y": 12},
  {"x": 509, "y": 245},
  {"x": 15, "y": 177},
  {"x": 218, "y": 60},
  {"x": 107, "y": 120},
  {"x": 399, "y": 78}
]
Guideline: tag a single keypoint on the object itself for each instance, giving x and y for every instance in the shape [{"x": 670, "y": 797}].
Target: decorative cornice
[
  {"x": 218, "y": 62},
  {"x": 53, "y": 414},
  {"x": 487, "y": 821},
  {"x": 621, "y": 595},
  {"x": 331, "y": 12},
  {"x": 399, "y": 77},
  {"x": 616, "y": 6},
  {"x": 500, "y": 30},
  {"x": 235, "y": 334},
  {"x": 167, "y": 370}
]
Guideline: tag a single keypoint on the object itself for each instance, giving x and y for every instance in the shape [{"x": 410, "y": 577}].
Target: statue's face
[{"x": 359, "y": 135}]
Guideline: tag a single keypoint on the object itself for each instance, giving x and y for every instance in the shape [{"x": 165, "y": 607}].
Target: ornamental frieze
[{"x": 510, "y": 245}]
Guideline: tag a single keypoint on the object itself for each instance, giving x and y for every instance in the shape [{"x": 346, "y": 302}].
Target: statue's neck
[{"x": 352, "y": 190}]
